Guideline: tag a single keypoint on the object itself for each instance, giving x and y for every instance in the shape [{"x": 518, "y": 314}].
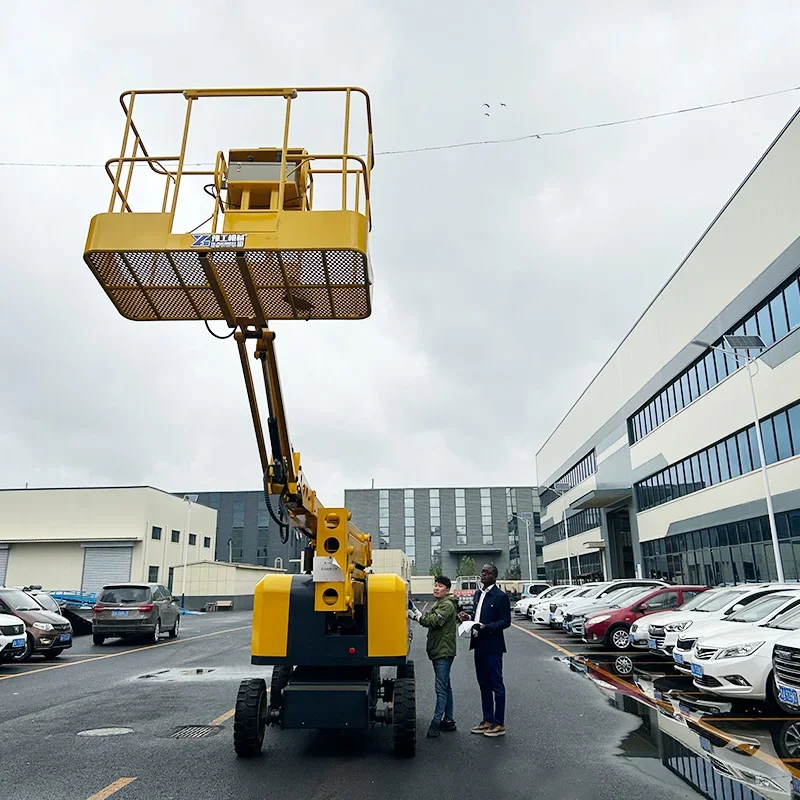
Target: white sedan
[
  {"x": 739, "y": 663},
  {"x": 541, "y": 613},
  {"x": 759, "y": 612},
  {"x": 522, "y": 606}
]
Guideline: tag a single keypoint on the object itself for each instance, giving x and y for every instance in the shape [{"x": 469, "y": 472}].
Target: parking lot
[
  {"x": 726, "y": 749},
  {"x": 101, "y": 722}
]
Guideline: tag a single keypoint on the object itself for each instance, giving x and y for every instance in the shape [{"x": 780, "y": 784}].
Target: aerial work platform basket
[{"x": 267, "y": 252}]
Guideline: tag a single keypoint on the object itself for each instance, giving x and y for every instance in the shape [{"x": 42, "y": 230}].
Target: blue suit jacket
[{"x": 496, "y": 617}]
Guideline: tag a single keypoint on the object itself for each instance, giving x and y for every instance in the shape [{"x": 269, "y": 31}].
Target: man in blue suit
[{"x": 492, "y": 615}]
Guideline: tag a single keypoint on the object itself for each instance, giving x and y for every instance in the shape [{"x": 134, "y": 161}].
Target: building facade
[
  {"x": 655, "y": 470},
  {"x": 438, "y": 527},
  {"x": 247, "y": 533},
  {"x": 81, "y": 539}
]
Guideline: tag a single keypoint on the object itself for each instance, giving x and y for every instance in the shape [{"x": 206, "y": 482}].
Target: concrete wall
[
  {"x": 391, "y": 561},
  {"x": 213, "y": 580},
  {"x": 53, "y": 565},
  {"x": 44, "y": 529}
]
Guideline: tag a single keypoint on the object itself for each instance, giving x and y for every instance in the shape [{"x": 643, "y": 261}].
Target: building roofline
[
  {"x": 669, "y": 280},
  {"x": 95, "y": 489}
]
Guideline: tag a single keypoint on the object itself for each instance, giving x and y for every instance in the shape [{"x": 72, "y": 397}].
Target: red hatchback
[{"x": 611, "y": 626}]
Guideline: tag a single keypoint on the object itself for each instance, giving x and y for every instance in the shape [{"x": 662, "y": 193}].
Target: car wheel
[
  {"x": 173, "y": 634},
  {"x": 49, "y": 655},
  {"x": 26, "y": 653},
  {"x": 156, "y": 632},
  {"x": 98, "y": 639},
  {"x": 618, "y": 638}
]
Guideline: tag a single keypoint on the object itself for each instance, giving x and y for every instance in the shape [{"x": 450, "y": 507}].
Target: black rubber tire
[
  {"x": 250, "y": 717},
  {"x": 280, "y": 680},
  {"x": 26, "y": 653},
  {"x": 98, "y": 639},
  {"x": 173, "y": 634},
  {"x": 406, "y": 670},
  {"x": 404, "y": 717},
  {"x": 609, "y": 639},
  {"x": 155, "y": 636},
  {"x": 49, "y": 655}
]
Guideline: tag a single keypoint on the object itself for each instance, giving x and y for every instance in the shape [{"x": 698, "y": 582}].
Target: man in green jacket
[{"x": 442, "y": 623}]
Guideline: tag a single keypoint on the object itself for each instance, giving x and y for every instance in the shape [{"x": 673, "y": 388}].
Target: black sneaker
[
  {"x": 433, "y": 731},
  {"x": 448, "y": 725}
]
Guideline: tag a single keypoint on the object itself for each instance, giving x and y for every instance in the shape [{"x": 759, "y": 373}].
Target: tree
[
  {"x": 466, "y": 567},
  {"x": 436, "y": 569},
  {"x": 513, "y": 573}
]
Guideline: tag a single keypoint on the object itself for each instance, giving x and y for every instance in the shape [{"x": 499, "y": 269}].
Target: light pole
[
  {"x": 748, "y": 343},
  {"x": 189, "y": 498},
  {"x": 528, "y": 540},
  {"x": 561, "y": 489}
]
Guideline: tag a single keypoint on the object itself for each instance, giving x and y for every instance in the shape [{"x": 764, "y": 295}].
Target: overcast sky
[{"x": 504, "y": 274}]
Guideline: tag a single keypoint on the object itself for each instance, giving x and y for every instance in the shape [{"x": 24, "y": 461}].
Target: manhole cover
[
  {"x": 106, "y": 732},
  {"x": 194, "y": 731}
]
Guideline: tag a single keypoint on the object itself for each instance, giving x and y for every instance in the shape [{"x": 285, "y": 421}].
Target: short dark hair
[
  {"x": 444, "y": 580},
  {"x": 494, "y": 570}
]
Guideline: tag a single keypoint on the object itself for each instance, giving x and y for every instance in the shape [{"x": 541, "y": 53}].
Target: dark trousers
[{"x": 489, "y": 671}]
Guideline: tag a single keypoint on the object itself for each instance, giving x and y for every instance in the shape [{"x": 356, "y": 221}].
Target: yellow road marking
[
  {"x": 112, "y": 788},
  {"x": 122, "y": 653},
  {"x": 542, "y": 639},
  {"x": 223, "y": 717}
]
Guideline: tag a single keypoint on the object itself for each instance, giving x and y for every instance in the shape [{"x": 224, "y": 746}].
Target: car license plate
[
  {"x": 18, "y": 643},
  {"x": 683, "y": 708},
  {"x": 788, "y": 695},
  {"x": 677, "y": 657},
  {"x": 658, "y": 695},
  {"x": 697, "y": 671},
  {"x": 651, "y": 643},
  {"x": 65, "y": 637},
  {"x": 796, "y": 785},
  {"x": 119, "y": 612},
  {"x": 705, "y": 744}
]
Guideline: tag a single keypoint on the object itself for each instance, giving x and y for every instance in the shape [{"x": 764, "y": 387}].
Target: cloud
[{"x": 504, "y": 275}]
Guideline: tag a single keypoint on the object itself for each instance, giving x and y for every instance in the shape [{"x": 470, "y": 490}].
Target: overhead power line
[{"x": 480, "y": 142}]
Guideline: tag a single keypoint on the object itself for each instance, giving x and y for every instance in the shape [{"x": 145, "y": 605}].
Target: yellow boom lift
[{"x": 272, "y": 253}]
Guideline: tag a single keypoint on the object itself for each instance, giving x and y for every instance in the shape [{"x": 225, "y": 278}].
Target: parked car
[
  {"x": 738, "y": 662},
  {"x": 664, "y": 634},
  {"x": 612, "y": 626},
  {"x": 639, "y": 630},
  {"x": 12, "y": 637},
  {"x": 46, "y": 632},
  {"x": 575, "y": 616},
  {"x": 596, "y": 592},
  {"x": 786, "y": 669},
  {"x": 521, "y": 606},
  {"x": 135, "y": 609},
  {"x": 759, "y": 611},
  {"x": 543, "y": 612}
]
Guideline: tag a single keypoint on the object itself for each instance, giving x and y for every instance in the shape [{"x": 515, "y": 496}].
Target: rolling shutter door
[
  {"x": 104, "y": 565},
  {"x": 3, "y": 563}
]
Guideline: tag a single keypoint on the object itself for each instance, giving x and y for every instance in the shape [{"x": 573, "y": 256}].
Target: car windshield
[
  {"x": 19, "y": 600},
  {"x": 592, "y": 591},
  {"x": 125, "y": 594},
  {"x": 47, "y": 602},
  {"x": 632, "y": 596},
  {"x": 617, "y": 594},
  {"x": 788, "y": 621},
  {"x": 759, "y": 609},
  {"x": 698, "y": 600},
  {"x": 717, "y": 601},
  {"x": 550, "y": 592}
]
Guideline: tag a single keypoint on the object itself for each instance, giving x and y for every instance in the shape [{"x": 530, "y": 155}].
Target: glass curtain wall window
[
  {"x": 486, "y": 515},
  {"x": 461, "y": 518},
  {"x": 735, "y": 455},
  {"x": 436, "y": 526},
  {"x": 772, "y": 319},
  {"x": 410, "y": 536}
]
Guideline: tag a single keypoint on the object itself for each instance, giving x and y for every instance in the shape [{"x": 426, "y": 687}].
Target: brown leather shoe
[
  {"x": 482, "y": 728},
  {"x": 496, "y": 730}
]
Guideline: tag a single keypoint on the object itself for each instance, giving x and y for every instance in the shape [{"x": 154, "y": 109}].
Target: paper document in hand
[{"x": 466, "y": 627}]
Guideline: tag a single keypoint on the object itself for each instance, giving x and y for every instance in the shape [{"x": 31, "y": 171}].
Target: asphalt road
[{"x": 563, "y": 739}]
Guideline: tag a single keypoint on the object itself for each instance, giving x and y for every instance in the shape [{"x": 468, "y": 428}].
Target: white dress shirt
[{"x": 477, "y": 617}]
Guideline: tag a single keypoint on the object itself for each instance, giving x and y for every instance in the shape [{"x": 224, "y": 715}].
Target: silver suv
[{"x": 135, "y": 609}]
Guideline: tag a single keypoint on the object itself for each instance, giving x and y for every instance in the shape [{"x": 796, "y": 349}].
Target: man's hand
[{"x": 463, "y": 616}]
